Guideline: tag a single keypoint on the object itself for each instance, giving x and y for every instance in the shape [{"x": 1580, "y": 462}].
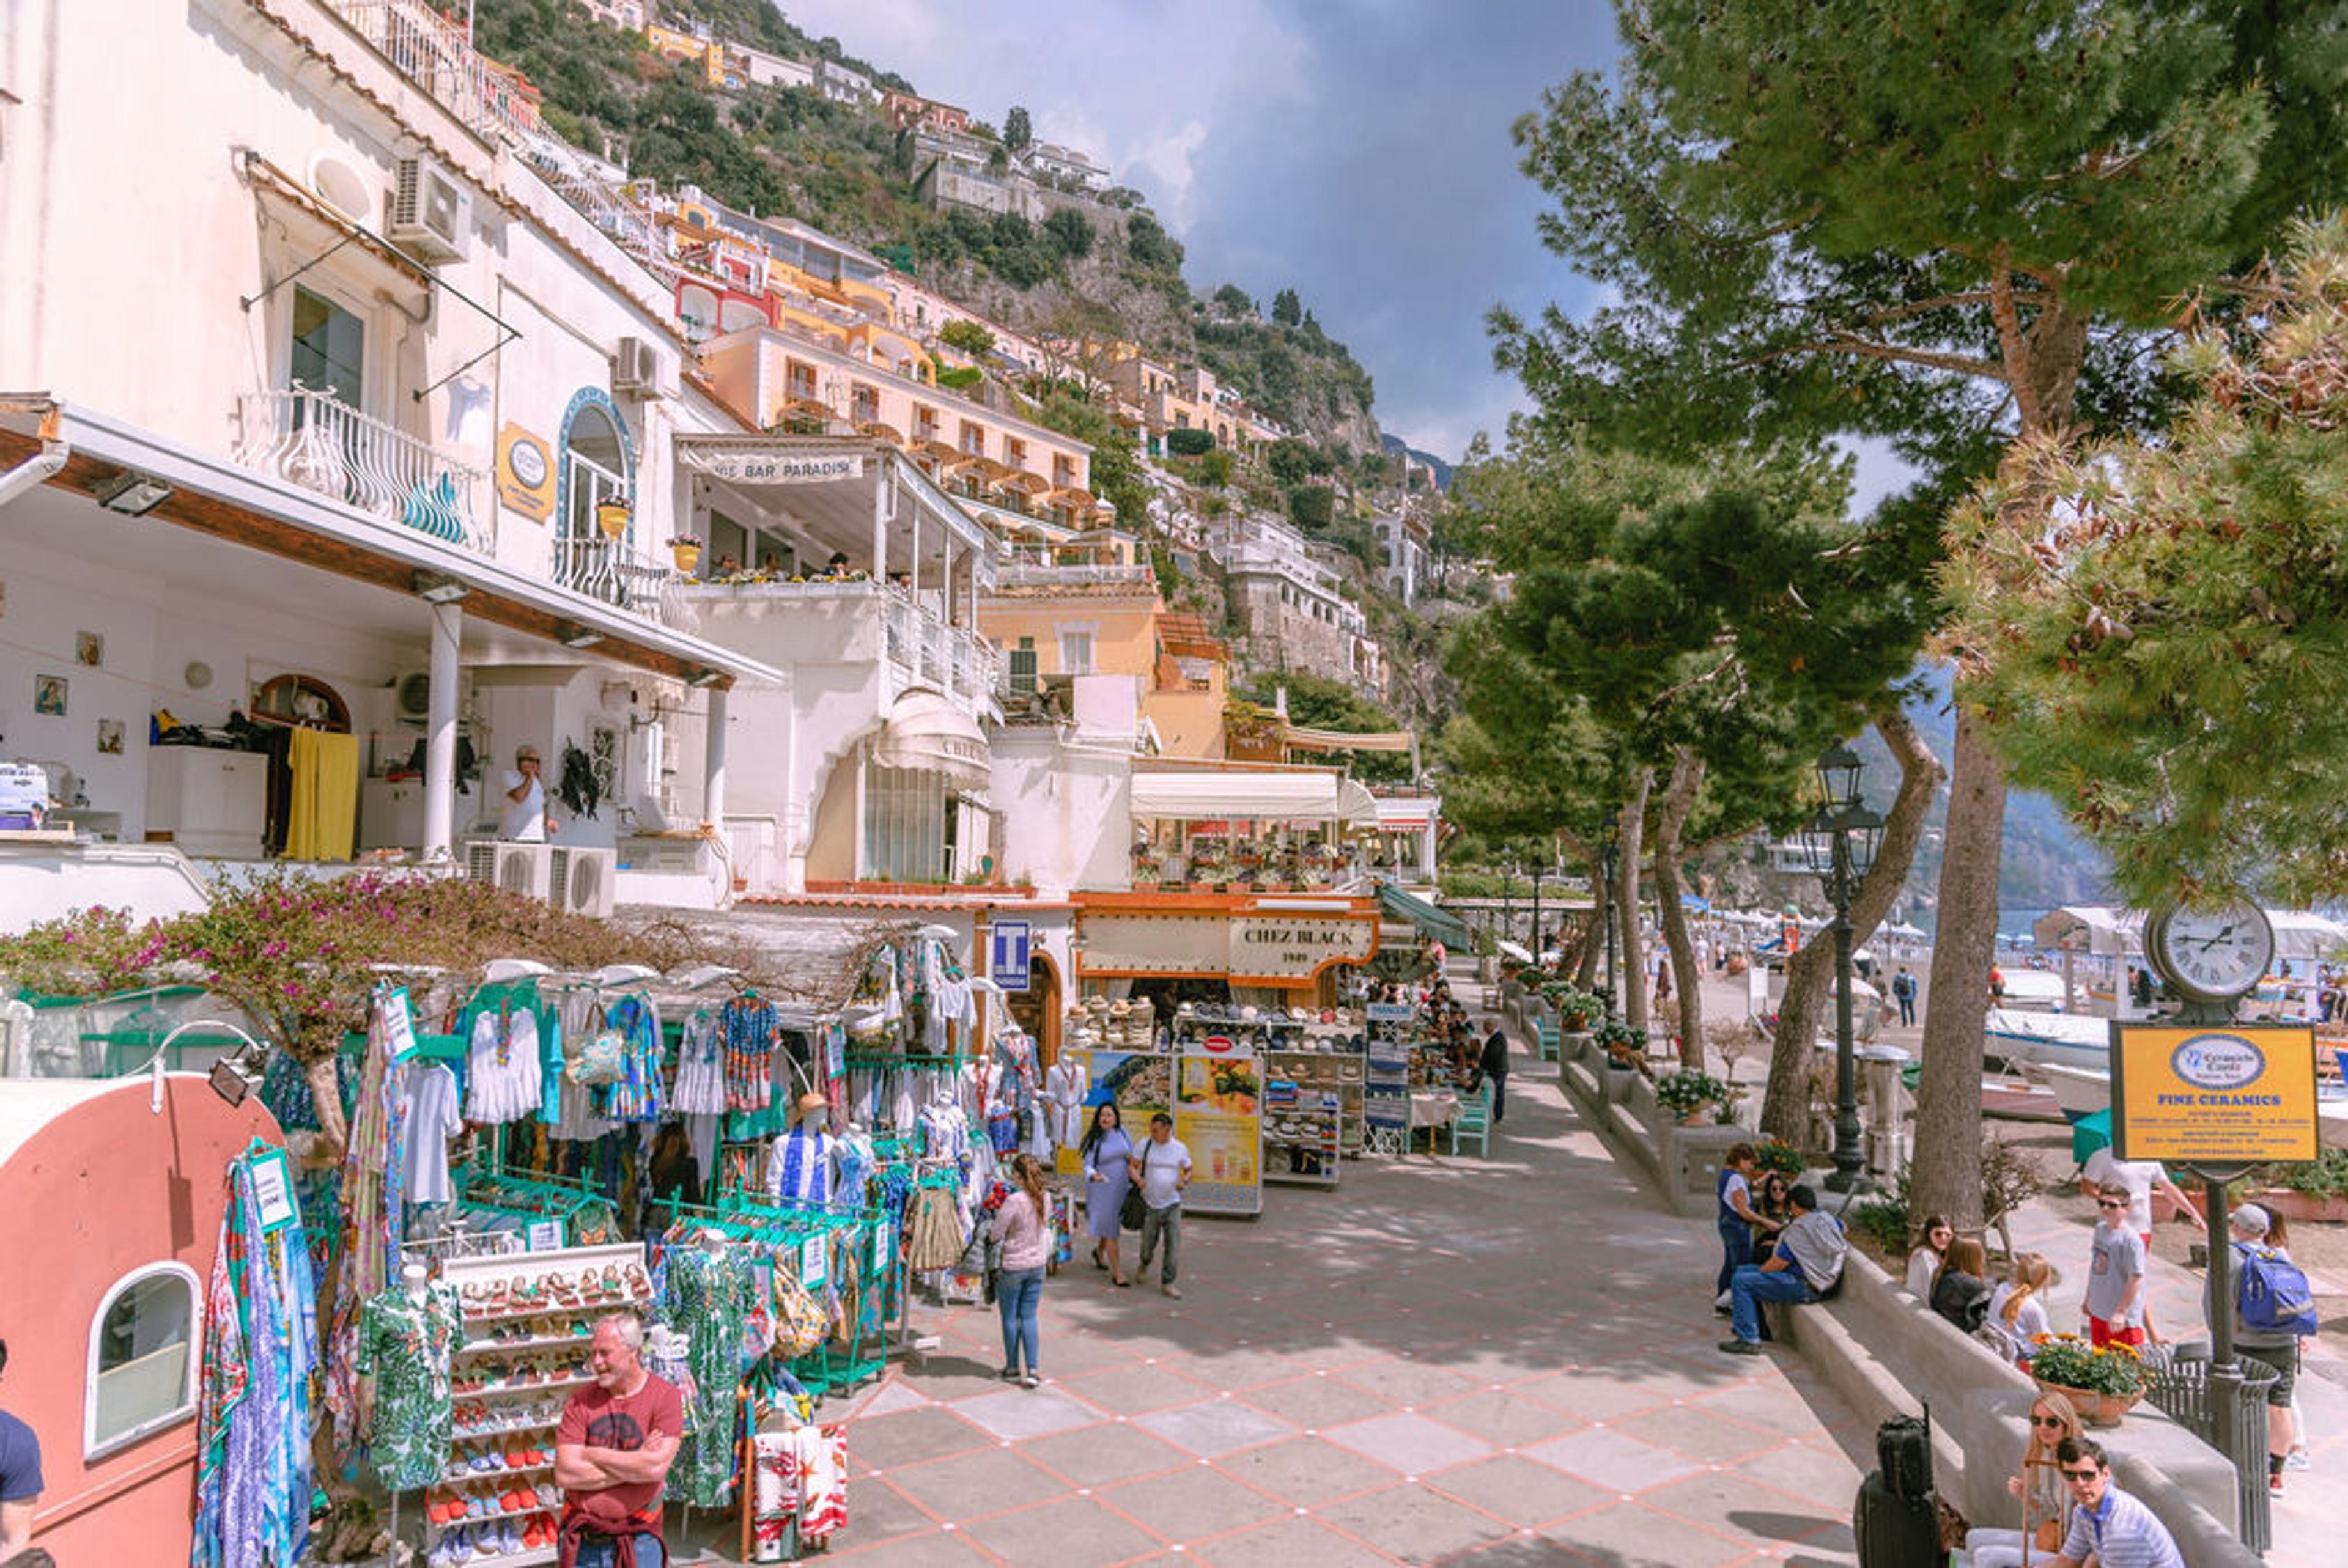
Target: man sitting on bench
[{"x": 1805, "y": 1265}]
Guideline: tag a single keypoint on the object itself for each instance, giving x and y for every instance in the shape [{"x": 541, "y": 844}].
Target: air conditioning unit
[
  {"x": 636, "y": 368},
  {"x": 582, "y": 880},
  {"x": 411, "y": 695},
  {"x": 431, "y": 214},
  {"x": 522, "y": 869}
]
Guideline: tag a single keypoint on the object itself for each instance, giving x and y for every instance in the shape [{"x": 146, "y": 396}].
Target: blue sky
[{"x": 1354, "y": 150}]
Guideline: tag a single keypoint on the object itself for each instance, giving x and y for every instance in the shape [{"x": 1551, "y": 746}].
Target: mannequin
[
  {"x": 708, "y": 1297},
  {"x": 1064, "y": 1087},
  {"x": 405, "y": 1337},
  {"x": 800, "y": 1167}
]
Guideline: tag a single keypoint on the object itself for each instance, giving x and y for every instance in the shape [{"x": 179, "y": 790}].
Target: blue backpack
[{"x": 2273, "y": 1296}]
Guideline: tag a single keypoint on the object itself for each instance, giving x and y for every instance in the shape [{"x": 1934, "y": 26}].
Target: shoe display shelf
[{"x": 527, "y": 1321}]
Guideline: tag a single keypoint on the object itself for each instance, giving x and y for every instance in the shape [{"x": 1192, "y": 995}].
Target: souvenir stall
[
  {"x": 1315, "y": 1081},
  {"x": 1386, "y": 1104}
]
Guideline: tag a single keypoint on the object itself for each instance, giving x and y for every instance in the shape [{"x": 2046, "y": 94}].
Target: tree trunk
[
  {"x": 1593, "y": 935},
  {"x": 1679, "y": 799},
  {"x": 1948, "y": 1171},
  {"x": 1629, "y": 984},
  {"x": 1811, "y": 973},
  {"x": 326, "y": 1098}
]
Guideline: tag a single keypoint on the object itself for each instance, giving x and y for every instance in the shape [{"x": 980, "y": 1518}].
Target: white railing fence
[{"x": 309, "y": 438}]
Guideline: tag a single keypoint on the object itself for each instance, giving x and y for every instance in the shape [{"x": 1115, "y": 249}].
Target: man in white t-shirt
[
  {"x": 1161, "y": 1167},
  {"x": 525, "y": 820}
]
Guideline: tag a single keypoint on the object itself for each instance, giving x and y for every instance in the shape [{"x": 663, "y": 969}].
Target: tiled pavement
[{"x": 1505, "y": 1361}]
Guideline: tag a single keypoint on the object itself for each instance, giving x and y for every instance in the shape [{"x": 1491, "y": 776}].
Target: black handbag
[{"x": 1130, "y": 1215}]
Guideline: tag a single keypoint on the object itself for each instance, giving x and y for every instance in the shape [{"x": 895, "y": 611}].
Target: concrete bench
[{"x": 1979, "y": 1408}]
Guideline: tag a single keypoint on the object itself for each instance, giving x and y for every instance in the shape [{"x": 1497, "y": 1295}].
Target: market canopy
[
  {"x": 1431, "y": 920},
  {"x": 1262, "y": 794}
]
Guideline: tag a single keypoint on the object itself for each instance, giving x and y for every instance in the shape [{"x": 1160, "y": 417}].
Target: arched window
[{"x": 142, "y": 1358}]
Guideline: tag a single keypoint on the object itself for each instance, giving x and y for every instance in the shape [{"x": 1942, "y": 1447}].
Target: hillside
[{"x": 1100, "y": 268}]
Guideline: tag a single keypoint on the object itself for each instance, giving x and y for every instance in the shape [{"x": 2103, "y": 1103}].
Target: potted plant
[
  {"x": 1575, "y": 1007},
  {"x": 687, "y": 554},
  {"x": 1690, "y": 1095},
  {"x": 2102, "y": 1385},
  {"x": 1623, "y": 1046},
  {"x": 612, "y": 516}
]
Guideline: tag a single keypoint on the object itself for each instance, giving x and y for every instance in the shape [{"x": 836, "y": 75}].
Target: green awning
[{"x": 1440, "y": 924}]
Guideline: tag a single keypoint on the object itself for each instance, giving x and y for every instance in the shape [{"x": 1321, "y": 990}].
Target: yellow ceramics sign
[
  {"x": 525, "y": 474},
  {"x": 2221, "y": 1095}
]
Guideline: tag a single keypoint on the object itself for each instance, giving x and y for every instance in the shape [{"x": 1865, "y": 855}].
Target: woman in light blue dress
[{"x": 1107, "y": 1152}]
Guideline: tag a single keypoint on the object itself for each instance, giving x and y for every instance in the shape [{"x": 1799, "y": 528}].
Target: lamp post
[
  {"x": 1535, "y": 943},
  {"x": 1508, "y": 892},
  {"x": 1610, "y": 849},
  {"x": 1841, "y": 842}
]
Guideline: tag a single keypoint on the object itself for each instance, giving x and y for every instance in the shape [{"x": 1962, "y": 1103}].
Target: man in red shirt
[{"x": 613, "y": 1450}]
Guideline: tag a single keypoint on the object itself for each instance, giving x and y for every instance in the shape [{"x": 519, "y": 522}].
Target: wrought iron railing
[
  {"x": 1029, "y": 574},
  {"x": 311, "y": 439}
]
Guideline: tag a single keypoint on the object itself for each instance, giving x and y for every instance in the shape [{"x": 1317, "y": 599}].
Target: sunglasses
[
  {"x": 2047, "y": 1421},
  {"x": 2081, "y": 1474},
  {"x": 2111, "y": 1204}
]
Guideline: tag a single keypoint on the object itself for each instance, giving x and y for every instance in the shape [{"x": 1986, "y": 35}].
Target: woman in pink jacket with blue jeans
[{"x": 1019, "y": 1226}]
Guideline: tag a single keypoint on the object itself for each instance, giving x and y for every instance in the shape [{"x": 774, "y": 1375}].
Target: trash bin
[
  {"x": 2178, "y": 1386},
  {"x": 1896, "y": 1519}
]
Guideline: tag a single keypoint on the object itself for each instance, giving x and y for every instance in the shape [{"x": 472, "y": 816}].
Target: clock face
[{"x": 2215, "y": 955}]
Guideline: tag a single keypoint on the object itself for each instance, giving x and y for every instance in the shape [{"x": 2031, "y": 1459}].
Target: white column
[
  {"x": 440, "y": 733},
  {"x": 881, "y": 523},
  {"x": 713, "y": 762}
]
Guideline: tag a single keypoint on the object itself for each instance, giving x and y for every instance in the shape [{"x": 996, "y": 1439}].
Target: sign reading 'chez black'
[{"x": 1291, "y": 948}]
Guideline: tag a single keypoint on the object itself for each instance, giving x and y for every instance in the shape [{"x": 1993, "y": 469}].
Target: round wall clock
[{"x": 2211, "y": 955}]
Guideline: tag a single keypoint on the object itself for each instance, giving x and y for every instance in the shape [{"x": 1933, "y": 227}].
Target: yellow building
[
  {"x": 1085, "y": 638},
  {"x": 707, "y": 56}
]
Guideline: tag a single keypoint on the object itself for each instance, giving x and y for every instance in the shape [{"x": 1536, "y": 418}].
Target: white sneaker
[
  {"x": 1170, "y": 1290},
  {"x": 2296, "y": 1459}
]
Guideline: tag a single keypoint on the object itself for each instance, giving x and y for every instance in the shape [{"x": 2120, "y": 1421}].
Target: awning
[
  {"x": 1241, "y": 793},
  {"x": 1356, "y": 807},
  {"x": 1301, "y": 738},
  {"x": 1440, "y": 924},
  {"x": 1406, "y": 814},
  {"x": 925, "y": 731}
]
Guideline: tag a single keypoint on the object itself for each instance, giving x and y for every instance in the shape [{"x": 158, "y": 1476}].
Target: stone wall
[{"x": 1280, "y": 636}]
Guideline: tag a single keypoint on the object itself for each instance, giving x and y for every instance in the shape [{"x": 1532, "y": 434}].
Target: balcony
[
  {"x": 434, "y": 53},
  {"x": 923, "y": 650},
  {"x": 308, "y": 438},
  {"x": 609, "y": 570},
  {"x": 1030, "y": 574}
]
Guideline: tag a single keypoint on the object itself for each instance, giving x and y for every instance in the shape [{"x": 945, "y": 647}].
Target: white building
[
  {"x": 1066, "y": 165},
  {"x": 762, "y": 69},
  {"x": 1403, "y": 541},
  {"x": 843, "y": 85},
  {"x": 1293, "y": 606},
  {"x": 372, "y": 439}
]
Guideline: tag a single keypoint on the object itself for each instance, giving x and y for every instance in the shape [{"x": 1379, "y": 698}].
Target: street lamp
[
  {"x": 1508, "y": 891},
  {"x": 1610, "y": 849},
  {"x": 1841, "y": 843},
  {"x": 1537, "y": 939}
]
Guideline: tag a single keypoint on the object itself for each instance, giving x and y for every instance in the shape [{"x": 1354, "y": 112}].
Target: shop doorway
[
  {"x": 282, "y": 704},
  {"x": 1038, "y": 1008}
]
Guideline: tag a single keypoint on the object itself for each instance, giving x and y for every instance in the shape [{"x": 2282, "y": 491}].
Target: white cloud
[{"x": 1166, "y": 157}]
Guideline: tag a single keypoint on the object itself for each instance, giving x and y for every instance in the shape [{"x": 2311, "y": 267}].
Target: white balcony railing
[
  {"x": 1029, "y": 574},
  {"x": 309, "y": 439},
  {"x": 434, "y": 53},
  {"x": 926, "y": 652},
  {"x": 609, "y": 570}
]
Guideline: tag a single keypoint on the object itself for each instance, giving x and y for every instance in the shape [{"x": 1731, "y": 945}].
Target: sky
[{"x": 1356, "y": 150}]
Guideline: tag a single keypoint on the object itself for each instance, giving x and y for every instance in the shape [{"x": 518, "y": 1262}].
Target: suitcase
[
  {"x": 1903, "y": 1451},
  {"x": 1895, "y": 1531}
]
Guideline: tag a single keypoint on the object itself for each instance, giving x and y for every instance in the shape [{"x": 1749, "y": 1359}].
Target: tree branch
[{"x": 1845, "y": 342}]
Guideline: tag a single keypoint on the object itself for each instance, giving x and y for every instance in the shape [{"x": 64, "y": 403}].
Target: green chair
[
  {"x": 1546, "y": 1033},
  {"x": 1475, "y": 1120}
]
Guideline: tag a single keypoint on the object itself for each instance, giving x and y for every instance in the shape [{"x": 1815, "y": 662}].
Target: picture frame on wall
[
  {"x": 110, "y": 737},
  {"x": 89, "y": 649},
  {"x": 49, "y": 695}
]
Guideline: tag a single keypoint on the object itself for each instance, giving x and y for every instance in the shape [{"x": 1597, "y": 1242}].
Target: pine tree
[
  {"x": 1286, "y": 308},
  {"x": 1945, "y": 224}
]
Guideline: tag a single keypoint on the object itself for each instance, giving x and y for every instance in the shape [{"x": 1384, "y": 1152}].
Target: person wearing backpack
[
  {"x": 1961, "y": 1290},
  {"x": 2273, "y": 1310}
]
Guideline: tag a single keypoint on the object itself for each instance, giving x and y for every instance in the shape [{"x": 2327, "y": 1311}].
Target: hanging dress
[
  {"x": 404, "y": 1345},
  {"x": 707, "y": 1298}
]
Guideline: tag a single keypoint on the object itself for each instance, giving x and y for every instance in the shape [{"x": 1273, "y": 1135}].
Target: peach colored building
[
  {"x": 905, "y": 110},
  {"x": 118, "y": 1199}
]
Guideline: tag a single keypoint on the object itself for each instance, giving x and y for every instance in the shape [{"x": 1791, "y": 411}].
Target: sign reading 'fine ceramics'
[{"x": 2223, "y": 1094}]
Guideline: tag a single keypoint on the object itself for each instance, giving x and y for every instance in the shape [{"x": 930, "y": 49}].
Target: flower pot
[
  {"x": 2096, "y": 1409},
  {"x": 687, "y": 553},
  {"x": 1573, "y": 1022},
  {"x": 1699, "y": 1116},
  {"x": 612, "y": 517}
]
